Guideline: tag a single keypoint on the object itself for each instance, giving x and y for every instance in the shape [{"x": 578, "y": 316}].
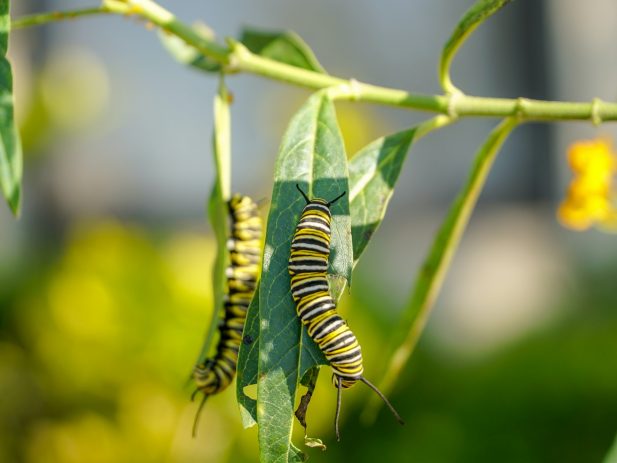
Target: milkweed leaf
[
  {"x": 188, "y": 55},
  {"x": 473, "y": 17},
  {"x": 312, "y": 155},
  {"x": 373, "y": 172},
  {"x": 286, "y": 47},
  {"x": 433, "y": 271},
  {"x": 217, "y": 210},
  {"x": 248, "y": 357},
  {"x": 10, "y": 143}
]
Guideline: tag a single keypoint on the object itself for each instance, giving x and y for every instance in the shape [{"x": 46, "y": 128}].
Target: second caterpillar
[
  {"x": 308, "y": 264},
  {"x": 216, "y": 373}
]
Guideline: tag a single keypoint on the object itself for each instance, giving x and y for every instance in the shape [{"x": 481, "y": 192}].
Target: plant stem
[
  {"x": 237, "y": 58},
  {"x": 159, "y": 16},
  {"x": 55, "y": 16},
  {"x": 436, "y": 265},
  {"x": 434, "y": 123}
]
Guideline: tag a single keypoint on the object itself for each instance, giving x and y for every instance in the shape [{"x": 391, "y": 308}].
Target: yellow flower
[
  {"x": 573, "y": 217},
  {"x": 591, "y": 156},
  {"x": 588, "y": 201}
]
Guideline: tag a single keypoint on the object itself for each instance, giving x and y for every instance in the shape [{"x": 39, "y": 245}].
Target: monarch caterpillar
[
  {"x": 216, "y": 373},
  {"x": 308, "y": 264}
]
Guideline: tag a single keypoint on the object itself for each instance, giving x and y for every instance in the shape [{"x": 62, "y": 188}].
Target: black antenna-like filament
[
  {"x": 337, "y": 198},
  {"x": 383, "y": 397},
  {"x": 338, "y": 408},
  {"x": 303, "y": 194},
  {"x": 339, "y": 384},
  {"x": 201, "y": 407}
]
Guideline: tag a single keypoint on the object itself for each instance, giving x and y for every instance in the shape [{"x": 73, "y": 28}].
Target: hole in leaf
[{"x": 250, "y": 391}]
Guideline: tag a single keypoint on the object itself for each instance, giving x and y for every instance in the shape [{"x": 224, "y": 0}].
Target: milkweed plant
[{"x": 277, "y": 354}]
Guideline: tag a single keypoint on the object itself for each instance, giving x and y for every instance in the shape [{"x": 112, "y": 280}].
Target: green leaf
[
  {"x": 295, "y": 455},
  {"x": 311, "y": 155},
  {"x": 315, "y": 443},
  {"x": 473, "y": 17},
  {"x": 373, "y": 172},
  {"x": 337, "y": 285},
  {"x": 286, "y": 47},
  {"x": 10, "y": 143},
  {"x": 248, "y": 358},
  {"x": 611, "y": 457},
  {"x": 221, "y": 141},
  {"x": 433, "y": 271},
  {"x": 218, "y": 210},
  {"x": 188, "y": 55},
  {"x": 310, "y": 381}
]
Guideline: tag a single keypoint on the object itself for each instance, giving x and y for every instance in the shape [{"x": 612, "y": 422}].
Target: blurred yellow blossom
[
  {"x": 588, "y": 201},
  {"x": 591, "y": 156}
]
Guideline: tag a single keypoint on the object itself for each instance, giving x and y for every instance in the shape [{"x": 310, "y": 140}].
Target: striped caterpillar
[
  {"x": 216, "y": 373},
  {"x": 308, "y": 264}
]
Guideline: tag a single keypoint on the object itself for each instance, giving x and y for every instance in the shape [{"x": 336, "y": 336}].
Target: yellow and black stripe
[
  {"x": 216, "y": 373},
  {"x": 308, "y": 264}
]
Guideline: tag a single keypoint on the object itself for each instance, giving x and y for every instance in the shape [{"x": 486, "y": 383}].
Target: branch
[
  {"x": 56, "y": 16},
  {"x": 435, "y": 267},
  {"x": 237, "y": 58}
]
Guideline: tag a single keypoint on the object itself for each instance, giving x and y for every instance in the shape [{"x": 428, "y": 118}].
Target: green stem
[
  {"x": 54, "y": 16},
  {"x": 436, "y": 265},
  {"x": 237, "y": 58},
  {"x": 434, "y": 123},
  {"x": 159, "y": 16}
]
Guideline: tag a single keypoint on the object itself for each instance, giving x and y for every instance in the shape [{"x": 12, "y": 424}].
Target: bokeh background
[{"x": 104, "y": 280}]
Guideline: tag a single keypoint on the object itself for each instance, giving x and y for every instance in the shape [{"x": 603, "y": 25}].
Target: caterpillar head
[{"x": 319, "y": 201}]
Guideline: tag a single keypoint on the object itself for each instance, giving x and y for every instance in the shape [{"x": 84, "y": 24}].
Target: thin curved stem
[
  {"x": 237, "y": 58},
  {"x": 56, "y": 16},
  {"x": 431, "y": 124},
  {"x": 432, "y": 273}
]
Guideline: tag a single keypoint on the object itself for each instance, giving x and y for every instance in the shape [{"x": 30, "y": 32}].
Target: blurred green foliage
[
  {"x": 96, "y": 354},
  {"x": 97, "y": 344}
]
